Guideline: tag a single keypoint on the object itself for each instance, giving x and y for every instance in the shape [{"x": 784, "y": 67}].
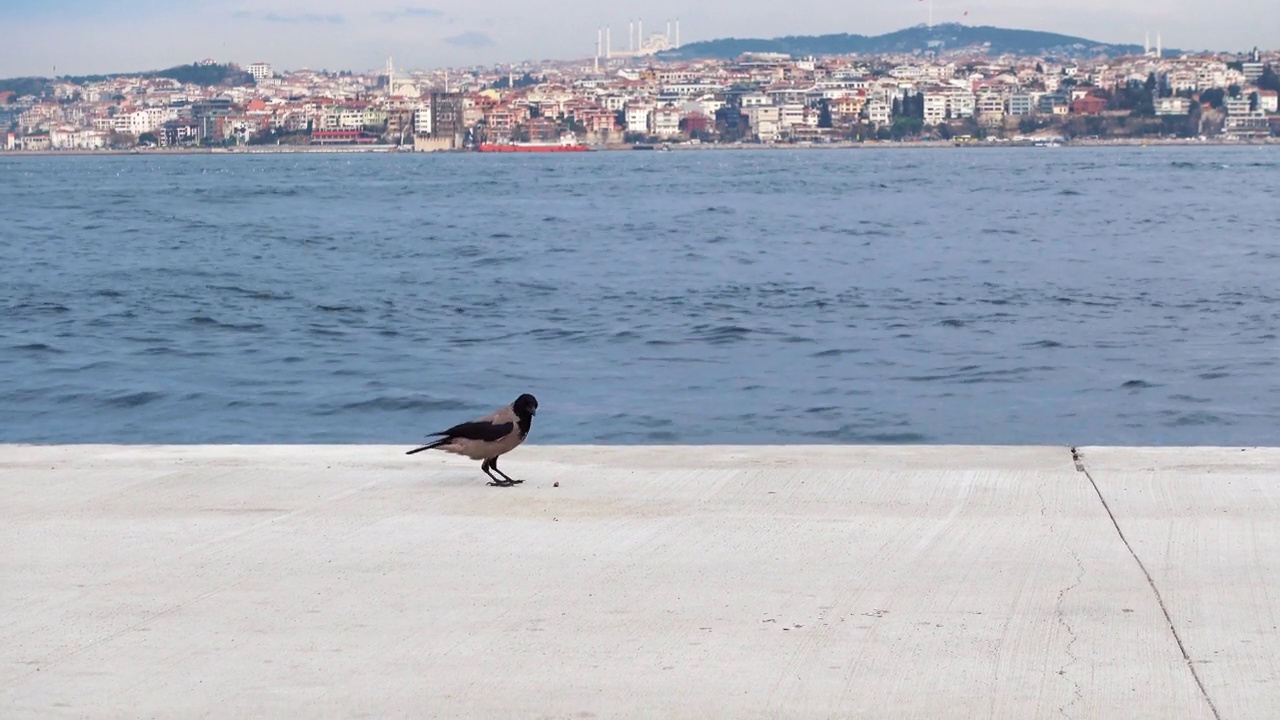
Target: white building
[
  {"x": 260, "y": 71},
  {"x": 1182, "y": 80},
  {"x": 614, "y": 102},
  {"x": 638, "y": 117},
  {"x": 1243, "y": 122},
  {"x": 1022, "y": 104},
  {"x": 935, "y": 108},
  {"x": 939, "y": 73},
  {"x": 1211, "y": 75},
  {"x": 879, "y": 112},
  {"x": 991, "y": 108},
  {"x": 764, "y": 122},
  {"x": 422, "y": 121},
  {"x": 1237, "y": 106},
  {"x": 790, "y": 116},
  {"x": 1173, "y": 106},
  {"x": 76, "y": 138},
  {"x": 961, "y": 104},
  {"x": 707, "y": 105},
  {"x": 910, "y": 73},
  {"x": 666, "y": 122},
  {"x": 146, "y": 120}
]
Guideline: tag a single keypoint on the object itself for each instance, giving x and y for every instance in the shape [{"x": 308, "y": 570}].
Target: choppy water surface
[{"x": 1053, "y": 295}]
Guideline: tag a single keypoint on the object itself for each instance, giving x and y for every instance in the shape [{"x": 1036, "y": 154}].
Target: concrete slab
[
  {"x": 1206, "y": 524},
  {"x": 926, "y": 582}
]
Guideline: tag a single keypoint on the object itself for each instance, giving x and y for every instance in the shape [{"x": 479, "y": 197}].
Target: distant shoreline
[{"x": 658, "y": 147}]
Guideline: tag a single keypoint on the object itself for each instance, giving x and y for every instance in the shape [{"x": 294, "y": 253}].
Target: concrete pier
[{"x": 878, "y": 582}]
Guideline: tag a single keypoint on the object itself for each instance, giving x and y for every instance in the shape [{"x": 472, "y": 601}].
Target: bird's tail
[{"x": 428, "y": 446}]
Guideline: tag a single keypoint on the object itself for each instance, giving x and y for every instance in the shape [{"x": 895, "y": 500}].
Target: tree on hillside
[
  {"x": 911, "y": 106},
  {"x": 1214, "y": 96},
  {"x": 1269, "y": 80},
  {"x": 38, "y": 87},
  {"x": 824, "y": 113},
  {"x": 1137, "y": 99},
  {"x": 1028, "y": 125},
  {"x": 525, "y": 80},
  {"x": 1192, "y": 126},
  {"x": 905, "y": 127},
  {"x": 121, "y": 140},
  {"x": 1146, "y": 106}
]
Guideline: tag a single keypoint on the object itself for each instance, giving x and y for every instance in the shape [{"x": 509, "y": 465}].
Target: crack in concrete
[
  {"x": 1078, "y": 458},
  {"x": 1072, "y": 658}
]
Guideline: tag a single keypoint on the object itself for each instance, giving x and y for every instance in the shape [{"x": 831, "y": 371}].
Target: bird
[{"x": 487, "y": 438}]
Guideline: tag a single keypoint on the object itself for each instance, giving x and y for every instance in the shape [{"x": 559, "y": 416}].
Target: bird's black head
[{"x": 526, "y": 405}]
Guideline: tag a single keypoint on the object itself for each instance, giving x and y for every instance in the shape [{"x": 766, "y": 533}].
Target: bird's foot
[{"x": 500, "y": 483}]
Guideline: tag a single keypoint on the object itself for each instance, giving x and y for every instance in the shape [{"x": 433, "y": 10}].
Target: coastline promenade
[
  {"x": 681, "y": 147},
  {"x": 682, "y": 581}
]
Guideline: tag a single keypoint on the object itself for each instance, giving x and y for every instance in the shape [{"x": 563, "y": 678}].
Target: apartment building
[
  {"x": 764, "y": 121},
  {"x": 666, "y": 121},
  {"x": 260, "y": 71},
  {"x": 1022, "y": 104},
  {"x": 638, "y": 118}
]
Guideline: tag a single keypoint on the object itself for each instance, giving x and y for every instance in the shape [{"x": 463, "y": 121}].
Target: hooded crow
[{"x": 489, "y": 437}]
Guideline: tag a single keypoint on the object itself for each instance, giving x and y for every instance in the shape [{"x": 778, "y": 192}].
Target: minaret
[
  {"x": 668, "y": 36},
  {"x": 677, "y": 32},
  {"x": 391, "y": 78},
  {"x": 640, "y": 35},
  {"x": 631, "y": 36},
  {"x": 1146, "y": 44},
  {"x": 1158, "y": 44},
  {"x": 608, "y": 42},
  {"x": 597, "y": 49}
]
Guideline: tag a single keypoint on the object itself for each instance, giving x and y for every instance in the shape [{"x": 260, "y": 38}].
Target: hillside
[
  {"x": 992, "y": 40},
  {"x": 203, "y": 75}
]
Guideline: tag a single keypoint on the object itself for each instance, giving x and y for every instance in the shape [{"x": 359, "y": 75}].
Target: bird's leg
[
  {"x": 494, "y": 464},
  {"x": 495, "y": 481}
]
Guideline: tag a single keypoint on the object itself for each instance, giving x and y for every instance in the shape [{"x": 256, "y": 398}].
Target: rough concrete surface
[{"x": 902, "y": 582}]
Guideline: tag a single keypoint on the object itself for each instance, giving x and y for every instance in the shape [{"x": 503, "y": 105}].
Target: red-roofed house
[{"x": 1088, "y": 105}]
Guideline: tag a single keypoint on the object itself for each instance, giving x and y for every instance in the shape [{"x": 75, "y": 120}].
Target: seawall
[{"x": 832, "y": 581}]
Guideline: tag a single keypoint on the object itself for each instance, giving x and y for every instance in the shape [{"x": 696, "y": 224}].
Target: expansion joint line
[{"x": 1079, "y": 461}]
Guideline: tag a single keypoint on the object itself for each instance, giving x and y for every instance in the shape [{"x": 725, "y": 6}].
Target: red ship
[{"x": 567, "y": 143}]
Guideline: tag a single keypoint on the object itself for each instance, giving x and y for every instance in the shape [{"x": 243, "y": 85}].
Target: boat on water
[{"x": 567, "y": 143}]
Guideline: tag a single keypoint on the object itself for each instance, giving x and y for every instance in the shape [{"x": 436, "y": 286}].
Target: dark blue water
[{"x": 1054, "y": 295}]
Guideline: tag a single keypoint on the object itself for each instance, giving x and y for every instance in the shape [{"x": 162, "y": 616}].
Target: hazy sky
[{"x": 100, "y": 36}]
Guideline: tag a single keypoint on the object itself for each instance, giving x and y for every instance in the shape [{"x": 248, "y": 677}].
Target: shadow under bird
[{"x": 489, "y": 437}]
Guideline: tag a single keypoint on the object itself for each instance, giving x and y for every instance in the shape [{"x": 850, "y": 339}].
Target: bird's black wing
[{"x": 479, "y": 430}]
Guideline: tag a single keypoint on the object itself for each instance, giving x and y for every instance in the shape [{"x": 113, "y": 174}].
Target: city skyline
[{"x": 110, "y": 36}]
